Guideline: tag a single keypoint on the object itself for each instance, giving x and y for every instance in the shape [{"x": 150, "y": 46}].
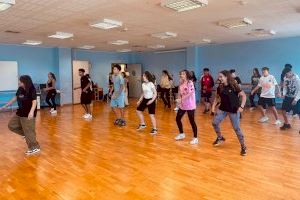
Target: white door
[
  {"x": 135, "y": 80},
  {"x": 77, "y": 64}
]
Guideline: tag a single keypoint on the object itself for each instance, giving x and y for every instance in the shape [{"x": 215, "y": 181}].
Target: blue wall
[{"x": 64, "y": 59}]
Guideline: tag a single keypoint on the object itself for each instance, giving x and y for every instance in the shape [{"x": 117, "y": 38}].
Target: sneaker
[
  {"x": 122, "y": 122},
  {"x": 212, "y": 114},
  {"x": 219, "y": 141},
  {"x": 88, "y": 116},
  {"x": 285, "y": 127},
  {"x": 295, "y": 116},
  {"x": 141, "y": 127},
  {"x": 54, "y": 112},
  {"x": 117, "y": 122},
  {"x": 194, "y": 141},
  {"x": 33, "y": 151},
  {"x": 153, "y": 131},
  {"x": 243, "y": 151},
  {"x": 51, "y": 110},
  {"x": 180, "y": 136},
  {"x": 84, "y": 116},
  {"x": 263, "y": 119},
  {"x": 277, "y": 122},
  {"x": 176, "y": 109}
]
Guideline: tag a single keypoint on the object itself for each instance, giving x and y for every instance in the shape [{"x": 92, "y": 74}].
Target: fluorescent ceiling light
[
  {"x": 107, "y": 24},
  {"x": 164, "y": 35},
  {"x": 235, "y": 23},
  {"x": 87, "y": 47},
  {"x": 61, "y": 35},
  {"x": 32, "y": 42},
  {"x": 119, "y": 42},
  {"x": 6, "y": 4},
  {"x": 157, "y": 46},
  {"x": 124, "y": 50},
  {"x": 206, "y": 40},
  {"x": 184, "y": 5},
  {"x": 262, "y": 33}
]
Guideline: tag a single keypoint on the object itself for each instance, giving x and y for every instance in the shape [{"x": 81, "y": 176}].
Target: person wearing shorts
[
  {"x": 147, "y": 100},
  {"x": 118, "y": 96},
  {"x": 291, "y": 93},
  {"x": 268, "y": 85},
  {"x": 206, "y": 85}
]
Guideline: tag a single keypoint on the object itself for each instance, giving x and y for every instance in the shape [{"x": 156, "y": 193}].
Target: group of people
[{"x": 230, "y": 100}]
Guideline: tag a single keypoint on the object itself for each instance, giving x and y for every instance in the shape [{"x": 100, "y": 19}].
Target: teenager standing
[
  {"x": 228, "y": 93},
  {"x": 268, "y": 84},
  {"x": 86, "y": 94},
  {"x": 23, "y": 123},
  {"x": 147, "y": 100},
  {"x": 291, "y": 93},
  {"x": 254, "y": 83},
  {"x": 187, "y": 103},
  {"x": 206, "y": 85},
  {"x": 51, "y": 92},
  {"x": 166, "y": 83},
  {"x": 118, "y": 96}
]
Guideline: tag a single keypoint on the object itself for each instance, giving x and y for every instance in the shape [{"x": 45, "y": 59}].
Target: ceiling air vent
[{"x": 235, "y": 23}]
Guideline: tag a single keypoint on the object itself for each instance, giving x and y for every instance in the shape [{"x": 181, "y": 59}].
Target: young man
[
  {"x": 118, "y": 96},
  {"x": 291, "y": 93},
  {"x": 86, "y": 94},
  {"x": 206, "y": 85},
  {"x": 268, "y": 84}
]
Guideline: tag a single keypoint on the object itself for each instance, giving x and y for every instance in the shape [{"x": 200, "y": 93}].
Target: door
[
  {"x": 135, "y": 80},
  {"x": 77, "y": 64}
]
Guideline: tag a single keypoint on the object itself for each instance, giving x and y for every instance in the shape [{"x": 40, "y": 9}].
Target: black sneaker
[
  {"x": 122, "y": 122},
  {"x": 285, "y": 127},
  {"x": 218, "y": 141},
  {"x": 243, "y": 151},
  {"x": 117, "y": 122},
  {"x": 153, "y": 131}
]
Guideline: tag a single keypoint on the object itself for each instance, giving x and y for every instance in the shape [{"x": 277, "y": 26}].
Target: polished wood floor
[{"x": 96, "y": 160}]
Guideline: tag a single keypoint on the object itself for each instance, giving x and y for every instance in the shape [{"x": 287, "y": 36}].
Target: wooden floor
[{"x": 96, "y": 160}]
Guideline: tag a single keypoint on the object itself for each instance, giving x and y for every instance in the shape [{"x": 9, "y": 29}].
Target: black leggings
[
  {"x": 165, "y": 96},
  {"x": 51, "y": 96},
  {"x": 191, "y": 115}
]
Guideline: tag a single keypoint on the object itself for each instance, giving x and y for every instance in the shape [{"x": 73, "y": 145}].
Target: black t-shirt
[
  {"x": 25, "y": 101},
  {"x": 49, "y": 84},
  {"x": 84, "y": 82},
  {"x": 230, "y": 101}
]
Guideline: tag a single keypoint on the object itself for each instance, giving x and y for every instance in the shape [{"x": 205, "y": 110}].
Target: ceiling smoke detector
[
  {"x": 164, "y": 35},
  {"x": 184, "y": 5},
  {"x": 124, "y": 50},
  {"x": 87, "y": 47},
  {"x": 119, "y": 42},
  {"x": 235, "y": 23}
]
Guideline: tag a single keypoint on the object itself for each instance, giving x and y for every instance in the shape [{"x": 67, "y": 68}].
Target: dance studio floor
[{"x": 96, "y": 160}]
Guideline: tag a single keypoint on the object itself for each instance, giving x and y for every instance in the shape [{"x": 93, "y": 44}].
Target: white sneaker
[
  {"x": 85, "y": 115},
  {"x": 88, "y": 116},
  {"x": 33, "y": 151},
  {"x": 51, "y": 110},
  {"x": 277, "y": 122},
  {"x": 54, "y": 112},
  {"x": 263, "y": 119},
  {"x": 194, "y": 141},
  {"x": 180, "y": 136},
  {"x": 176, "y": 109}
]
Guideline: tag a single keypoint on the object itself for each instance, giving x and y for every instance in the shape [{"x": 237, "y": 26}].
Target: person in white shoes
[
  {"x": 187, "y": 103},
  {"x": 268, "y": 85},
  {"x": 147, "y": 100},
  {"x": 86, "y": 94},
  {"x": 51, "y": 92}
]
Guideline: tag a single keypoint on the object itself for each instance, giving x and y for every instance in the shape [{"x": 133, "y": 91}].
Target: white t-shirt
[
  {"x": 267, "y": 83},
  {"x": 148, "y": 90}
]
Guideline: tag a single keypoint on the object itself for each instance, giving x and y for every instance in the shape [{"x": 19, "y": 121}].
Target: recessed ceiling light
[
  {"x": 87, "y": 47},
  {"x": 235, "y": 23},
  {"x": 107, "y": 24},
  {"x": 262, "y": 33},
  {"x": 124, "y": 50},
  {"x": 61, "y": 35},
  {"x": 157, "y": 46},
  {"x": 119, "y": 42},
  {"x": 6, "y": 4},
  {"x": 164, "y": 35},
  {"x": 206, "y": 40},
  {"x": 32, "y": 42},
  {"x": 183, "y": 5}
]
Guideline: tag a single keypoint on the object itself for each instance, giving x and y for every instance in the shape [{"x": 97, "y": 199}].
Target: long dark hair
[
  {"x": 230, "y": 80},
  {"x": 167, "y": 73},
  {"x": 188, "y": 74},
  {"x": 257, "y": 72},
  {"x": 27, "y": 81},
  {"x": 149, "y": 76},
  {"x": 52, "y": 75}
]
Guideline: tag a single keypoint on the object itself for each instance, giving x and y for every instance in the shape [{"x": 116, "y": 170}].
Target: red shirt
[{"x": 207, "y": 83}]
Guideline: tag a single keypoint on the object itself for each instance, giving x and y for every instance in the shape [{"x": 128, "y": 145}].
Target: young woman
[
  {"x": 254, "y": 82},
  {"x": 126, "y": 81},
  {"x": 23, "y": 123},
  {"x": 187, "y": 103},
  {"x": 206, "y": 85},
  {"x": 166, "y": 82},
  {"x": 228, "y": 93},
  {"x": 51, "y": 92},
  {"x": 147, "y": 100}
]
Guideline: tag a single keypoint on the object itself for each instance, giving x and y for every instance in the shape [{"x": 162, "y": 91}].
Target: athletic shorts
[
  {"x": 206, "y": 96},
  {"x": 287, "y": 105},
  {"x": 118, "y": 102},
  {"x": 266, "y": 102},
  {"x": 143, "y": 105},
  {"x": 86, "y": 98}
]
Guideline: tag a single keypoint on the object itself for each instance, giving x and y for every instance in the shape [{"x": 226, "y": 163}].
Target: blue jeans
[{"x": 235, "y": 121}]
